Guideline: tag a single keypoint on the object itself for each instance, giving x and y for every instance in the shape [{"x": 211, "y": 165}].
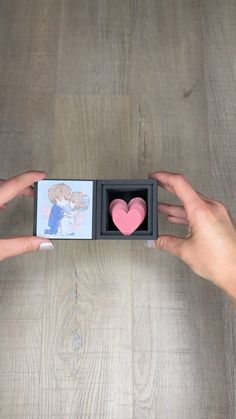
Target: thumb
[
  {"x": 18, "y": 245},
  {"x": 171, "y": 244}
]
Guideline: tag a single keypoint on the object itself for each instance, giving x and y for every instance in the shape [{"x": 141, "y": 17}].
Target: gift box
[{"x": 81, "y": 208}]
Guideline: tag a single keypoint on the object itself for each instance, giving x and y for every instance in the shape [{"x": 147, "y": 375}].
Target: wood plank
[
  {"x": 28, "y": 44},
  {"x": 220, "y": 70},
  {"x": 95, "y": 40},
  {"x": 176, "y": 315},
  {"x": 107, "y": 89},
  {"x": 90, "y": 348},
  {"x": 87, "y": 346}
]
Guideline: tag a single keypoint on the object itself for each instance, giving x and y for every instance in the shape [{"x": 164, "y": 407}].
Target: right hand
[{"x": 209, "y": 248}]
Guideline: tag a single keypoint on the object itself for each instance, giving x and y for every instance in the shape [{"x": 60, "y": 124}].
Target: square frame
[
  {"x": 126, "y": 189},
  {"x": 92, "y": 216}
]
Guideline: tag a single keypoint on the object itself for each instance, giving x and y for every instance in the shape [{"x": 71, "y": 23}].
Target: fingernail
[
  {"x": 46, "y": 246},
  {"x": 149, "y": 243}
]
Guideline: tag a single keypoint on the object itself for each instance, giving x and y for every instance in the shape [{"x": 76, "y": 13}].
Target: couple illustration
[{"x": 65, "y": 209}]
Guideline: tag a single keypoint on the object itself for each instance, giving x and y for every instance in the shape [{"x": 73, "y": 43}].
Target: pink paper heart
[{"x": 128, "y": 217}]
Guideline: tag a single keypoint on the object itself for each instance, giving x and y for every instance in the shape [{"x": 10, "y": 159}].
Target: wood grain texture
[
  {"x": 172, "y": 118},
  {"x": 95, "y": 40},
  {"x": 116, "y": 89}
]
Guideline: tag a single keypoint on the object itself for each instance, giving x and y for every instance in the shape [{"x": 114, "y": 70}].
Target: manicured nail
[
  {"x": 46, "y": 246},
  {"x": 149, "y": 243}
]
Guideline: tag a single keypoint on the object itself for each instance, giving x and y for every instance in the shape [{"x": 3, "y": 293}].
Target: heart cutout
[{"x": 128, "y": 217}]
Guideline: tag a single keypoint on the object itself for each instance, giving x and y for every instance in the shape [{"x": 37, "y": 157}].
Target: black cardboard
[{"x": 126, "y": 189}]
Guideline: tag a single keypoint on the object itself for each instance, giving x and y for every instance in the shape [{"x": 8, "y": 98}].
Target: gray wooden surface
[{"x": 116, "y": 88}]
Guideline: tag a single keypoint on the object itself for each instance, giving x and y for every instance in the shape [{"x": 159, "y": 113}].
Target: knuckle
[
  {"x": 202, "y": 207},
  {"x": 180, "y": 177},
  {"x": 215, "y": 209},
  {"x": 27, "y": 247},
  {"x": 201, "y": 211},
  {"x": 161, "y": 243}
]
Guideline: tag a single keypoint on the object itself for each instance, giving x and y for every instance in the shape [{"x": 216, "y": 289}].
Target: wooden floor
[{"x": 116, "y": 89}]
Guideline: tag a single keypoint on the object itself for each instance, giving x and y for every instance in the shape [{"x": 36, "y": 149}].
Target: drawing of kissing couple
[{"x": 65, "y": 209}]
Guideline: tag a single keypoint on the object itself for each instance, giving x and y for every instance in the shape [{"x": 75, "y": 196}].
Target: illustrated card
[{"x": 64, "y": 209}]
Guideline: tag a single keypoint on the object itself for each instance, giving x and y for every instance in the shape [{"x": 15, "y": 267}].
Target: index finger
[
  {"x": 10, "y": 188},
  {"x": 29, "y": 191},
  {"x": 177, "y": 184}
]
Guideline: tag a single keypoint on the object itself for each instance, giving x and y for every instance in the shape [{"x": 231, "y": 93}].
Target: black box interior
[
  {"x": 126, "y": 195},
  {"x": 107, "y": 190}
]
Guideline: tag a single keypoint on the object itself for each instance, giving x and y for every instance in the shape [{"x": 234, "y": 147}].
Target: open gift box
[{"x": 80, "y": 208}]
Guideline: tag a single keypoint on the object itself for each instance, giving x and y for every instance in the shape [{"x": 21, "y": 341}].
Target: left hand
[{"x": 9, "y": 189}]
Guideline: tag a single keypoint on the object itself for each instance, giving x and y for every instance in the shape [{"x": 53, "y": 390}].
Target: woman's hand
[
  {"x": 9, "y": 189},
  {"x": 209, "y": 248}
]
